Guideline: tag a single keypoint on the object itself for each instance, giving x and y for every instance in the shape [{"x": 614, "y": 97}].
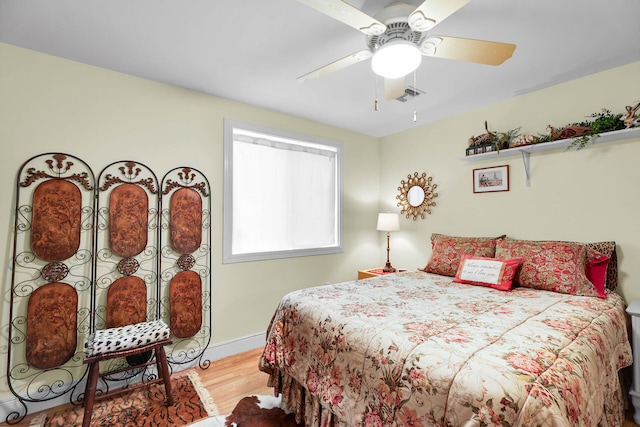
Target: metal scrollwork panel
[
  {"x": 51, "y": 278},
  {"x": 126, "y": 287},
  {"x": 186, "y": 263},
  {"x": 126, "y": 259}
]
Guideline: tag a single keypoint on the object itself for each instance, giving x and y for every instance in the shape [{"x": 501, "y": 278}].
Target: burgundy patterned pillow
[
  {"x": 447, "y": 250},
  {"x": 552, "y": 266}
]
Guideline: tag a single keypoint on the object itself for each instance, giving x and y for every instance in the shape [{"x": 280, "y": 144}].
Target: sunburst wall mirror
[{"x": 416, "y": 195}]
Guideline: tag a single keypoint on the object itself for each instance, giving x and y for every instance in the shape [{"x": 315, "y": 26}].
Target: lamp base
[{"x": 388, "y": 268}]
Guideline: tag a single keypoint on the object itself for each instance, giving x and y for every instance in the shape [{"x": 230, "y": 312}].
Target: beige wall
[
  {"x": 49, "y": 104},
  {"x": 590, "y": 195}
]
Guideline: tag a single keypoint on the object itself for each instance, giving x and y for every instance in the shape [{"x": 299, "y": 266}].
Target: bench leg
[
  {"x": 163, "y": 369},
  {"x": 90, "y": 392}
]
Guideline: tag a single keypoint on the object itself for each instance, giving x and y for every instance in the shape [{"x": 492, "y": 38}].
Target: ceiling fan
[{"x": 397, "y": 39}]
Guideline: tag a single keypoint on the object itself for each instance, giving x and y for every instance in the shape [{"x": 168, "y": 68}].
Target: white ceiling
[{"x": 253, "y": 50}]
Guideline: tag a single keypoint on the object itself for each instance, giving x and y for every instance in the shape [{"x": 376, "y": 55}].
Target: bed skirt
[{"x": 295, "y": 398}]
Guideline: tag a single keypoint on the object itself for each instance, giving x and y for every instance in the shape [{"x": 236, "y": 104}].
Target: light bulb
[{"x": 396, "y": 59}]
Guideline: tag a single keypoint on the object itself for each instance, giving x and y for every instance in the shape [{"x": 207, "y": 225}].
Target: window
[{"x": 282, "y": 194}]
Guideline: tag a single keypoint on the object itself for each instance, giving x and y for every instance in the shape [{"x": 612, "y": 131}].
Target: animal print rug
[{"x": 253, "y": 411}]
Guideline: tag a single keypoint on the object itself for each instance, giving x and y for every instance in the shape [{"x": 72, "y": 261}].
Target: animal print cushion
[{"x": 126, "y": 337}]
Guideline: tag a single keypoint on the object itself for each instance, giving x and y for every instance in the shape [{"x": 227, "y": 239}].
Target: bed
[{"x": 418, "y": 348}]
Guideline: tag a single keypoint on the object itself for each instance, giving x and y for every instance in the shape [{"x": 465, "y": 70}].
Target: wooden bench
[{"x": 126, "y": 341}]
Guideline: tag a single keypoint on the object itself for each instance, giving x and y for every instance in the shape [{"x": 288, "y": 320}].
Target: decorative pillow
[
  {"x": 492, "y": 272},
  {"x": 552, "y": 266},
  {"x": 445, "y": 256},
  {"x": 605, "y": 248},
  {"x": 608, "y": 249},
  {"x": 596, "y": 270}
]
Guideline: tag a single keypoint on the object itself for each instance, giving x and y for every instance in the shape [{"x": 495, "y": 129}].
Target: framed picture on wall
[{"x": 487, "y": 180}]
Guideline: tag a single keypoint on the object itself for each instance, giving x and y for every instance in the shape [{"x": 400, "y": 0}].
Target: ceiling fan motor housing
[
  {"x": 395, "y": 30},
  {"x": 396, "y": 18}
]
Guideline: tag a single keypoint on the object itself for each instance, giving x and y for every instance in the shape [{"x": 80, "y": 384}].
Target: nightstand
[{"x": 365, "y": 274}]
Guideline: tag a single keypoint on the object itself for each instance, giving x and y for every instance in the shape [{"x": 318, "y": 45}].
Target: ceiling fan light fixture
[{"x": 396, "y": 59}]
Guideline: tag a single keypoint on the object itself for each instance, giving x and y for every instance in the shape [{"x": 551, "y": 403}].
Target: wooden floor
[{"x": 229, "y": 380}]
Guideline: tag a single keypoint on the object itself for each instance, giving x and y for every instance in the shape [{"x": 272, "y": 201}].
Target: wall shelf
[{"x": 525, "y": 151}]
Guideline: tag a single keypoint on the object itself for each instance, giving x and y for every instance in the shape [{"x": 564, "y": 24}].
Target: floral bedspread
[{"x": 416, "y": 349}]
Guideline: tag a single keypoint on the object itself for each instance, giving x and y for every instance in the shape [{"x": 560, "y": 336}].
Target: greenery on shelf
[
  {"x": 604, "y": 121},
  {"x": 580, "y": 133},
  {"x": 503, "y": 139}
]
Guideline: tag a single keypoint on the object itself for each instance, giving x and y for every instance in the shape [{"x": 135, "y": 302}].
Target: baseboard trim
[
  {"x": 214, "y": 352},
  {"x": 235, "y": 346}
]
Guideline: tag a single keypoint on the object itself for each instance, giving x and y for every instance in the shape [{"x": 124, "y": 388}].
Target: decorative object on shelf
[
  {"x": 580, "y": 133},
  {"x": 488, "y": 180},
  {"x": 416, "y": 195},
  {"x": 491, "y": 141},
  {"x": 484, "y": 139},
  {"x": 522, "y": 140},
  {"x": 632, "y": 118},
  {"x": 601, "y": 122},
  {"x": 479, "y": 149},
  {"x": 568, "y": 132},
  {"x": 388, "y": 222}
]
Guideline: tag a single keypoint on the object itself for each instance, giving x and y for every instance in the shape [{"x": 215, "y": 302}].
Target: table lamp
[{"x": 388, "y": 222}]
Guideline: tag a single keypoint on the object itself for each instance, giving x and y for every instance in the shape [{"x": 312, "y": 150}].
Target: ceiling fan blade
[
  {"x": 432, "y": 12},
  {"x": 479, "y": 51},
  {"x": 348, "y": 14},
  {"x": 336, "y": 65},
  {"x": 394, "y": 88}
]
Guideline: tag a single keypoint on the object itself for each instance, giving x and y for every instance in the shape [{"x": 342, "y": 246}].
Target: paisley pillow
[
  {"x": 552, "y": 266},
  {"x": 447, "y": 250}
]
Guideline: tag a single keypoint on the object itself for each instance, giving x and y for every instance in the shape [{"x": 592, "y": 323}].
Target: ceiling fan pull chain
[
  {"x": 415, "y": 99},
  {"x": 375, "y": 103}
]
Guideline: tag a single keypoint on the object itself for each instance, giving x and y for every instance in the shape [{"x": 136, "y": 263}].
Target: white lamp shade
[
  {"x": 388, "y": 222},
  {"x": 396, "y": 59}
]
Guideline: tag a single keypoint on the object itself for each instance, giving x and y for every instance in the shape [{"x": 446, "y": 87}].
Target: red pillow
[
  {"x": 495, "y": 273},
  {"x": 596, "y": 270}
]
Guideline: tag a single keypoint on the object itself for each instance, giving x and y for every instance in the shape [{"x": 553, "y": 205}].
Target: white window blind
[{"x": 282, "y": 194}]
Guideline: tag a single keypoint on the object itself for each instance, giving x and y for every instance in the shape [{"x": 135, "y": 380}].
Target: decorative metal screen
[
  {"x": 50, "y": 308},
  {"x": 126, "y": 258},
  {"x": 126, "y": 287},
  {"x": 92, "y": 254},
  {"x": 185, "y": 263}
]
